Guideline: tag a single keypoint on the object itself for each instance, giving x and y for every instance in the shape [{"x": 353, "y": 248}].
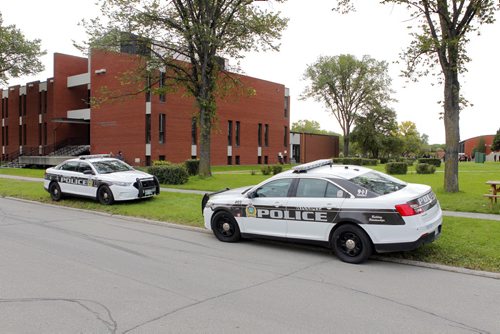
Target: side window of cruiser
[
  {"x": 311, "y": 188},
  {"x": 277, "y": 188}
]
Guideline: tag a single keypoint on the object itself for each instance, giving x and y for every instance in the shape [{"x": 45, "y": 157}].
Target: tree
[
  {"x": 412, "y": 142},
  {"x": 18, "y": 55},
  {"x": 481, "y": 145},
  {"x": 347, "y": 87},
  {"x": 308, "y": 126},
  {"x": 441, "y": 36},
  {"x": 374, "y": 130},
  {"x": 496, "y": 142},
  {"x": 199, "y": 32}
]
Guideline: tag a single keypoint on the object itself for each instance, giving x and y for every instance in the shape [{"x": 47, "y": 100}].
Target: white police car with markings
[
  {"x": 354, "y": 210},
  {"x": 100, "y": 177}
]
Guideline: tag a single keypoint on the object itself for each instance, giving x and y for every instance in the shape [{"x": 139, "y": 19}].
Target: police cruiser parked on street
[
  {"x": 101, "y": 177},
  {"x": 352, "y": 209}
]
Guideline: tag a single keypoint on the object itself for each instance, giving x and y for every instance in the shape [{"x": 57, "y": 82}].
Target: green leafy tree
[
  {"x": 308, "y": 126},
  {"x": 412, "y": 142},
  {"x": 18, "y": 55},
  {"x": 199, "y": 32},
  {"x": 374, "y": 130},
  {"x": 496, "y": 142},
  {"x": 481, "y": 145},
  {"x": 440, "y": 33},
  {"x": 347, "y": 87}
]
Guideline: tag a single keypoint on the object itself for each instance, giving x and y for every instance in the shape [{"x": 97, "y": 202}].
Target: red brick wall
[{"x": 315, "y": 147}]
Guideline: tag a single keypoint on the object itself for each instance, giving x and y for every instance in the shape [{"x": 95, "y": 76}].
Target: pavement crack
[{"x": 106, "y": 318}]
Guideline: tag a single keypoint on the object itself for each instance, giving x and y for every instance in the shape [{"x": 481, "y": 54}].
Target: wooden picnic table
[{"x": 494, "y": 191}]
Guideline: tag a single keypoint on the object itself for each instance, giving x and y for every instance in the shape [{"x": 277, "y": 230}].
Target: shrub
[
  {"x": 192, "y": 166},
  {"x": 396, "y": 168},
  {"x": 425, "y": 169},
  {"x": 431, "y": 161},
  {"x": 161, "y": 163},
  {"x": 266, "y": 170},
  {"x": 276, "y": 169},
  {"x": 369, "y": 162},
  {"x": 252, "y": 172},
  {"x": 170, "y": 174},
  {"x": 355, "y": 161},
  {"x": 384, "y": 160}
]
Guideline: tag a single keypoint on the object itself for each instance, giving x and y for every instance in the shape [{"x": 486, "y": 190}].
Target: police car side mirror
[
  {"x": 88, "y": 172},
  {"x": 252, "y": 194}
]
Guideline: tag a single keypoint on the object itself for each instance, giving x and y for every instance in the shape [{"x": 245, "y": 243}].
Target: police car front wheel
[
  {"x": 105, "y": 195},
  {"x": 225, "y": 228},
  {"x": 55, "y": 191},
  {"x": 351, "y": 244}
]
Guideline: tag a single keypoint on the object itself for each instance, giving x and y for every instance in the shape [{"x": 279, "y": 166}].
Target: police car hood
[
  {"x": 231, "y": 194},
  {"x": 127, "y": 176}
]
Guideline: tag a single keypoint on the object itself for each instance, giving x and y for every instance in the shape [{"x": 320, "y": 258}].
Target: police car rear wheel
[
  {"x": 225, "y": 228},
  {"x": 351, "y": 244},
  {"x": 105, "y": 196},
  {"x": 55, "y": 191}
]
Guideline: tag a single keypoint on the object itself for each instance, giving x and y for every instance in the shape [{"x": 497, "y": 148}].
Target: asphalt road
[{"x": 70, "y": 271}]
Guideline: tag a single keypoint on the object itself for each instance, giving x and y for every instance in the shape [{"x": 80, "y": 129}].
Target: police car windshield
[
  {"x": 110, "y": 166},
  {"x": 379, "y": 183}
]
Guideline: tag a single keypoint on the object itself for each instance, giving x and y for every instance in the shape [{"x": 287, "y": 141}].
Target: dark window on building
[
  {"x": 162, "y": 124},
  {"x": 44, "y": 101},
  {"x": 148, "y": 129},
  {"x": 266, "y": 160},
  {"x": 6, "y": 136},
  {"x": 148, "y": 160},
  {"x": 237, "y": 160},
  {"x": 20, "y": 135},
  {"x": 24, "y": 105},
  {"x": 237, "y": 138},
  {"x": 24, "y": 134},
  {"x": 39, "y": 103},
  {"x": 194, "y": 138},
  {"x": 39, "y": 133},
  {"x": 259, "y": 134},
  {"x": 266, "y": 135},
  {"x": 259, "y": 160},
  {"x": 44, "y": 133},
  {"x": 20, "y": 105},
  {"x": 162, "y": 86},
  {"x": 287, "y": 101},
  {"x": 229, "y": 160},
  {"x": 285, "y": 138},
  {"x": 3, "y": 134},
  {"x": 229, "y": 133},
  {"x": 6, "y": 114},
  {"x": 148, "y": 88},
  {"x": 161, "y": 158}
]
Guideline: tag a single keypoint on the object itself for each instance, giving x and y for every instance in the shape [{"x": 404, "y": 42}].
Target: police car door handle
[{"x": 277, "y": 204}]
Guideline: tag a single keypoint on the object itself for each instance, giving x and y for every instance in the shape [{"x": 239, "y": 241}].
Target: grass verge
[{"x": 467, "y": 243}]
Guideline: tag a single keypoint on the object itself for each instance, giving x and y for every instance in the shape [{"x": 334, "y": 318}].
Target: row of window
[
  {"x": 42, "y": 135},
  {"x": 42, "y": 105}
]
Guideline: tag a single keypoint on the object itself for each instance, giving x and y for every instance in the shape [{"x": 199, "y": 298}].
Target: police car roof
[{"x": 339, "y": 171}]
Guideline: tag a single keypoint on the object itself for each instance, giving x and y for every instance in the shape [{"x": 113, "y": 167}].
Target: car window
[
  {"x": 71, "y": 166},
  {"x": 332, "y": 191},
  {"x": 111, "y": 166},
  {"x": 378, "y": 183},
  {"x": 276, "y": 188},
  {"x": 84, "y": 167},
  {"x": 311, "y": 188}
]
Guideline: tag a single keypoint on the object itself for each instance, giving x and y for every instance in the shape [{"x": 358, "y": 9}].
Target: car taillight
[{"x": 408, "y": 210}]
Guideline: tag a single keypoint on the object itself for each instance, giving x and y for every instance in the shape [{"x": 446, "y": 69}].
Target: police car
[
  {"x": 352, "y": 209},
  {"x": 101, "y": 177}
]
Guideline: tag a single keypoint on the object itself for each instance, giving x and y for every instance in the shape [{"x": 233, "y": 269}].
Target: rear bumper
[{"x": 408, "y": 246}]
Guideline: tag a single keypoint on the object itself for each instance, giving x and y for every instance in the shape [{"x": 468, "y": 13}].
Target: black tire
[
  {"x": 105, "y": 195},
  {"x": 351, "y": 244},
  {"x": 55, "y": 191},
  {"x": 225, "y": 227}
]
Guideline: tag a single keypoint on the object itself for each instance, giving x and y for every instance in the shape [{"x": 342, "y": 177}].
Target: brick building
[
  {"x": 41, "y": 117},
  {"x": 469, "y": 145}
]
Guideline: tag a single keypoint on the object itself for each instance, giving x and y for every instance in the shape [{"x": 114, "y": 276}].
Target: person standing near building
[{"x": 119, "y": 156}]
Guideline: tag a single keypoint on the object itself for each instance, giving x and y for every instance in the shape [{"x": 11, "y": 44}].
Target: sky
[{"x": 313, "y": 30}]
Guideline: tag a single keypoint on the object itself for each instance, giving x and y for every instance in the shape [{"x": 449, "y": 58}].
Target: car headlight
[{"x": 122, "y": 184}]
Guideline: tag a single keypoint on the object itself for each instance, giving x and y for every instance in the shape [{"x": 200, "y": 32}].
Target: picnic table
[{"x": 494, "y": 191}]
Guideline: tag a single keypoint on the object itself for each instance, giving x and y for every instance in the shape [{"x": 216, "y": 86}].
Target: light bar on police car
[{"x": 314, "y": 164}]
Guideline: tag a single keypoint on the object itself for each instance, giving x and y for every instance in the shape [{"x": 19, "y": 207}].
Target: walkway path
[{"x": 472, "y": 215}]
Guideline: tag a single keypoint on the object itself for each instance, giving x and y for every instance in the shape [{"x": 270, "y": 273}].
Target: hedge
[
  {"x": 192, "y": 166},
  {"x": 355, "y": 161},
  {"x": 396, "y": 168},
  {"x": 431, "y": 161},
  {"x": 425, "y": 169},
  {"x": 170, "y": 174}
]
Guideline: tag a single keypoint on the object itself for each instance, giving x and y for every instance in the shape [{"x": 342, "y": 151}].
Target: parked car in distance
[
  {"x": 100, "y": 177},
  {"x": 353, "y": 210}
]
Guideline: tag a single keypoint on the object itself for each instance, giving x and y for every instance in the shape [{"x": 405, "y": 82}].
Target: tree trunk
[
  {"x": 452, "y": 128},
  {"x": 205, "y": 132},
  {"x": 346, "y": 144}
]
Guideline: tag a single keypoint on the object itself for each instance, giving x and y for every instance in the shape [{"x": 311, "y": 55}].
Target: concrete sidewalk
[{"x": 472, "y": 215}]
